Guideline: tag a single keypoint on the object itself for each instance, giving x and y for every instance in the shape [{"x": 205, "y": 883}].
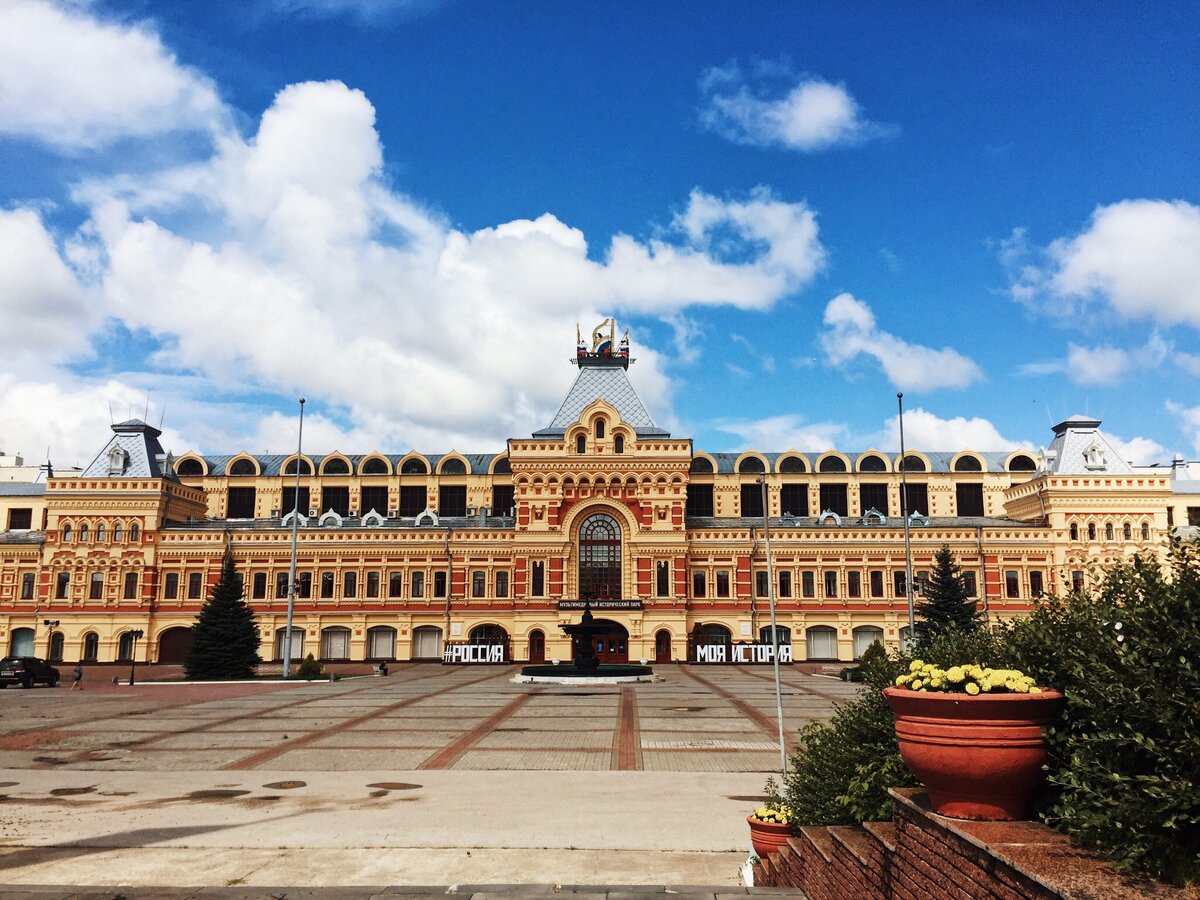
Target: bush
[
  {"x": 1126, "y": 751},
  {"x": 309, "y": 670}
]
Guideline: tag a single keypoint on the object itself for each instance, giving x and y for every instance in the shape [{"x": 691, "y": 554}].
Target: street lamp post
[
  {"x": 138, "y": 633},
  {"x": 762, "y": 480},
  {"x": 908, "y": 579},
  {"x": 50, "y": 624},
  {"x": 287, "y": 637}
]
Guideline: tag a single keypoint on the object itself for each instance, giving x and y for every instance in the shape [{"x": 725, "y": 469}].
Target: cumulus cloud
[
  {"x": 295, "y": 269},
  {"x": 1189, "y": 422},
  {"x": 785, "y": 432},
  {"x": 74, "y": 82},
  {"x": 851, "y": 331},
  {"x": 1105, "y": 364},
  {"x": 43, "y": 308},
  {"x": 1138, "y": 451},
  {"x": 808, "y": 115},
  {"x": 924, "y": 430},
  {"x": 1140, "y": 258}
]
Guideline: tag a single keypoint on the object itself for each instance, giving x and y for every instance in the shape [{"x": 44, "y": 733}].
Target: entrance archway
[
  {"x": 612, "y": 645},
  {"x": 537, "y": 646},
  {"x": 662, "y": 646},
  {"x": 173, "y": 646}
]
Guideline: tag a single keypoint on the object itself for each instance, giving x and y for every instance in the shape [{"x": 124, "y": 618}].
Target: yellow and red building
[{"x": 400, "y": 556}]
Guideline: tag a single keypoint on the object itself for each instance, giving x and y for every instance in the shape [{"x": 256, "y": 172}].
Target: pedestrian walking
[{"x": 77, "y": 677}]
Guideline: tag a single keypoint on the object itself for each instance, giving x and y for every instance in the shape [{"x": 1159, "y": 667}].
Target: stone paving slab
[{"x": 467, "y": 892}]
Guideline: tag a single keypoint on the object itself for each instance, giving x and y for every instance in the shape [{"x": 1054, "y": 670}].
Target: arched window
[
  {"x": 189, "y": 468},
  {"x": 66, "y": 534},
  {"x": 792, "y": 465},
  {"x": 821, "y": 642},
  {"x": 1108, "y": 531},
  {"x": 99, "y": 532},
  {"x": 580, "y": 444},
  {"x": 599, "y": 428},
  {"x": 487, "y": 634},
  {"x": 712, "y": 633},
  {"x": 967, "y": 464},
  {"x": 1145, "y": 531},
  {"x": 381, "y": 642},
  {"x": 618, "y": 443},
  {"x": 502, "y": 467},
  {"x": 1074, "y": 532},
  {"x": 1127, "y": 532},
  {"x": 21, "y": 642},
  {"x": 83, "y": 533},
  {"x": 783, "y": 635},
  {"x": 1022, "y": 463},
  {"x": 701, "y": 465},
  {"x": 912, "y": 464},
  {"x": 453, "y": 466},
  {"x": 1091, "y": 531},
  {"x": 600, "y": 558},
  {"x": 134, "y": 531},
  {"x": 290, "y": 468},
  {"x": 335, "y": 642},
  {"x": 832, "y": 464},
  {"x": 125, "y": 647},
  {"x": 375, "y": 466},
  {"x": 91, "y": 647},
  {"x": 872, "y": 463},
  {"x": 56, "y": 647},
  {"x": 243, "y": 466},
  {"x": 117, "y": 532},
  {"x": 864, "y": 637},
  {"x": 414, "y": 467},
  {"x": 751, "y": 465},
  {"x": 335, "y": 466}
]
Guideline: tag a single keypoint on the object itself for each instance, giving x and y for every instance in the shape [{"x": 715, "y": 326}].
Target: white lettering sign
[
  {"x": 473, "y": 653},
  {"x": 742, "y": 654}
]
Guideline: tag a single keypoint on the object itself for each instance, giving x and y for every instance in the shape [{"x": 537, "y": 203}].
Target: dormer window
[
  {"x": 580, "y": 444},
  {"x": 599, "y": 429},
  {"x": 118, "y": 461},
  {"x": 618, "y": 444},
  {"x": 1094, "y": 457}
]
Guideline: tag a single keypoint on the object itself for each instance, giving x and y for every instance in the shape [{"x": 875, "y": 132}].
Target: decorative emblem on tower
[{"x": 605, "y": 351}]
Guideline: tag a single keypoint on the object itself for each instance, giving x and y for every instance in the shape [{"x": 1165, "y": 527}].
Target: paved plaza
[{"x": 430, "y": 776}]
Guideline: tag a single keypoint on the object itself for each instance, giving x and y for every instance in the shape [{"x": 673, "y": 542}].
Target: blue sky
[{"x": 400, "y": 210}]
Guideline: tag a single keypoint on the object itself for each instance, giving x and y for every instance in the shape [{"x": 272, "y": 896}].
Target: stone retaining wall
[{"x": 921, "y": 855}]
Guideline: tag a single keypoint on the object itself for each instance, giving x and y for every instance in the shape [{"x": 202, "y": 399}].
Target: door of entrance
[
  {"x": 662, "y": 647},
  {"x": 612, "y": 646},
  {"x": 537, "y": 647}
]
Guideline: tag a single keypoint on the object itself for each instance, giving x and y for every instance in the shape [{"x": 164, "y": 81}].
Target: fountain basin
[{"x": 569, "y": 674}]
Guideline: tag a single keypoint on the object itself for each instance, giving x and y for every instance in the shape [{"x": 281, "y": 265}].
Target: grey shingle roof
[
  {"x": 939, "y": 460},
  {"x": 272, "y": 463},
  {"x": 21, "y": 489},
  {"x": 1080, "y": 448},
  {"x": 610, "y": 384},
  {"x": 145, "y": 455}
]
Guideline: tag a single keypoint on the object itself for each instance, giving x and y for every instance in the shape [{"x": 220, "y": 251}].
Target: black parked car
[{"x": 26, "y": 671}]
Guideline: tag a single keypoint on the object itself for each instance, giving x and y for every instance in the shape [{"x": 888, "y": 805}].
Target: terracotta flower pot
[
  {"x": 767, "y": 837},
  {"x": 979, "y": 757}
]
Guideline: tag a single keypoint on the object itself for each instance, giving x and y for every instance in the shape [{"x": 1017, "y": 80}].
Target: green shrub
[
  {"x": 1126, "y": 752},
  {"x": 309, "y": 669}
]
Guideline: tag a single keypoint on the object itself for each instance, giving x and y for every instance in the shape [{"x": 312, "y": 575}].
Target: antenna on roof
[
  {"x": 1049, "y": 417},
  {"x": 110, "y": 413},
  {"x": 146, "y": 414},
  {"x": 162, "y": 417}
]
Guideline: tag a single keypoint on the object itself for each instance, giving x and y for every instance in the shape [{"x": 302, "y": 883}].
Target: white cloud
[
  {"x": 1139, "y": 257},
  {"x": 1189, "y": 422},
  {"x": 44, "y": 311},
  {"x": 852, "y": 331},
  {"x": 785, "y": 432},
  {"x": 925, "y": 431},
  {"x": 1189, "y": 362},
  {"x": 810, "y": 115},
  {"x": 1139, "y": 451},
  {"x": 313, "y": 277},
  {"x": 366, "y": 11},
  {"x": 1105, "y": 364},
  {"x": 73, "y": 81}
]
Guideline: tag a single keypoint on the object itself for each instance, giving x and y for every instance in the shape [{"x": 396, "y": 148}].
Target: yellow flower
[
  {"x": 915, "y": 665},
  {"x": 955, "y": 675},
  {"x": 972, "y": 689}
]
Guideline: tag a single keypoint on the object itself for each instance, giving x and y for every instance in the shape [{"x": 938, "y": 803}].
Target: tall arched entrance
[
  {"x": 173, "y": 645},
  {"x": 600, "y": 558},
  {"x": 537, "y": 646},
  {"x": 612, "y": 645}
]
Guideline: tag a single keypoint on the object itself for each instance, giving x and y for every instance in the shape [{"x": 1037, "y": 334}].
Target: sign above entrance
[
  {"x": 740, "y": 654},
  {"x": 567, "y": 605}
]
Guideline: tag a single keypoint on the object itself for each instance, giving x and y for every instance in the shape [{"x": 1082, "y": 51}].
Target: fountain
[{"x": 585, "y": 668}]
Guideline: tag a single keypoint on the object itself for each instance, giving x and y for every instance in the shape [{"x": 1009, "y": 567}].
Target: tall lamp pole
[
  {"x": 287, "y": 637},
  {"x": 908, "y": 579},
  {"x": 133, "y": 652},
  {"x": 762, "y": 480}
]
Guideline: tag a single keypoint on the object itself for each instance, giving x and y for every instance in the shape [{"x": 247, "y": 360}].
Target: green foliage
[
  {"x": 946, "y": 603},
  {"x": 309, "y": 669},
  {"x": 225, "y": 636},
  {"x": 1127, "y": 749},
  {"x": 843, "y": 769}
]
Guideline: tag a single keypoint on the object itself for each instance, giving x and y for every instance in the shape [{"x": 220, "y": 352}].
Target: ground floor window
[
  {"x": 381, "y": 642},
  {"x": 821, "y": 642},
  {"x": 91, "y": 647},
  {"x": 335, "y": 643},
  {"x": 297, "y": 642},
  {"x": 427, "y": 642},
  {"x": 864, "y": 637},
  {"x": 21, "y": 642}
]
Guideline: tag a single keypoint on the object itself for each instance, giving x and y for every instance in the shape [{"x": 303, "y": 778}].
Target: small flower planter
[
  {"x": 767, "y": 837},
  {"x": 979, "y": 757}
]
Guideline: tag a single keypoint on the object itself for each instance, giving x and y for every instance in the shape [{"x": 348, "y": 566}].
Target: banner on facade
[
  {"x": 464, "y": 653},
  {"x": 740, "y": 654},
  {"x": 567, "y": 605}
]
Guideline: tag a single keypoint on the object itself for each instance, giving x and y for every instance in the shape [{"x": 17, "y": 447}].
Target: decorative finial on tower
[{"x": 605, "y": 351}]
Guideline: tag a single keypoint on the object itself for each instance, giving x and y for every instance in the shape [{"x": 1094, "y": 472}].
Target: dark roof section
[
  {"x": 610, "y": 384},
  {"x": 22, "y": 537},
  {"x": 22, "y": 489},
  {"x": 144, "y": 455}
]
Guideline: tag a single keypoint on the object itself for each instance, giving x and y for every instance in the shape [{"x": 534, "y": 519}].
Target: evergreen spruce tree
[
  {"x": 225, "y": 637},
  {"x": 946, "y": 604}
]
